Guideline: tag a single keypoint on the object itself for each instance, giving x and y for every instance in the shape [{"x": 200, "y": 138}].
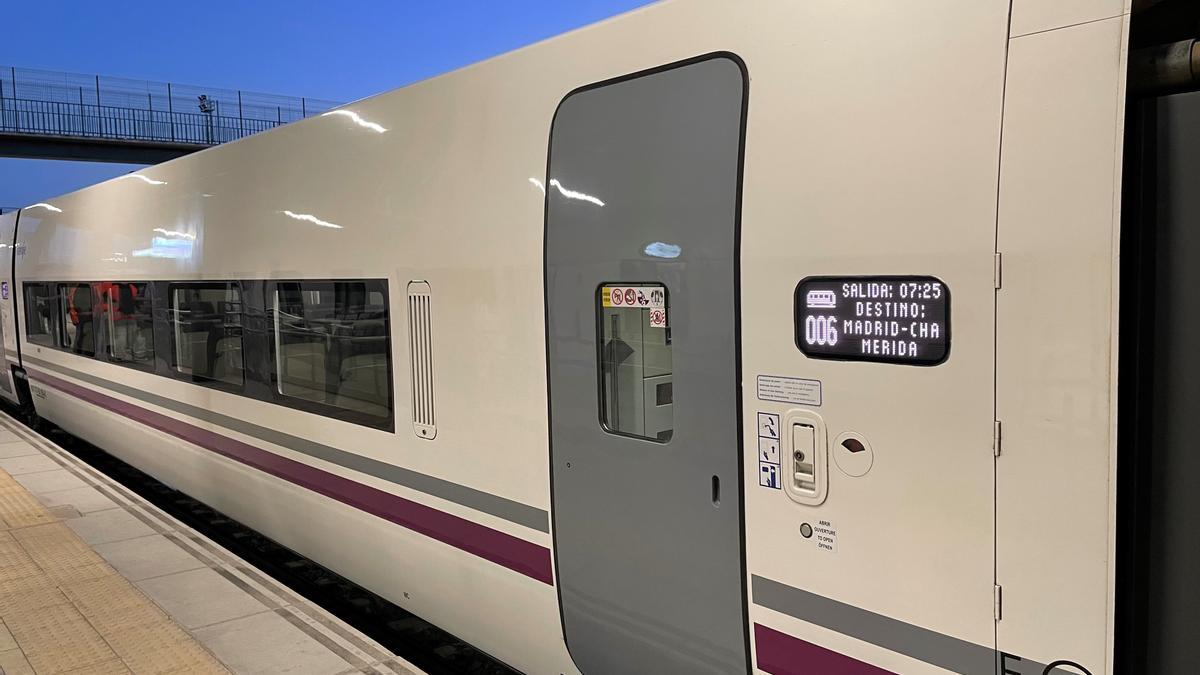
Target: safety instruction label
[
  {"x": 641, "y": 297},
  {"x": 789, "y": 390},
  {"x": 768, "y": 425},
  {"x": 658, "y": 318},
  {"x": 825, "y": 534},
  {"x": 768, "y": 450},
  {"x": 768, "y": 475}
]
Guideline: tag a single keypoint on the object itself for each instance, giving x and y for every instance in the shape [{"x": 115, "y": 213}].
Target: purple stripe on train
[
  {"x": 781, "y": 654},
  {"x": 503, "y": 549}
]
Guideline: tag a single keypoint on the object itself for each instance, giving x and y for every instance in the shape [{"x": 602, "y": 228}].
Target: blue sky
[{"x": 331, "y": 50}]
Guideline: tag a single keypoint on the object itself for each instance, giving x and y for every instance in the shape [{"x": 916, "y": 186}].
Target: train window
[
  {"x": 635, "y": 361},
  {"x": 76, "y": 329},
  {"x": 40, "y": 310},
  {"x": 331, "y": 344},
  {"x": 124, "y": 322},
  {"x": 206, "y": 326}
]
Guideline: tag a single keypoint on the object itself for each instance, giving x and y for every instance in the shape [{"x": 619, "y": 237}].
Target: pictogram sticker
[
  {"x": 768, "y": 425},
  {"x": 658, "y": 318},
  {"x": 768, "y": 475},
  {"x": 643, "y": 297},
  {"x": 768, "y": 450}
]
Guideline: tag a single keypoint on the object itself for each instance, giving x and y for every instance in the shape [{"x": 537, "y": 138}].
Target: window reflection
[
  {"x": 331, "y": 344},
  {"x": 207, "y": 326},
  {"x": 77, "y": 333},
  {"x": 124, "y": 322}
]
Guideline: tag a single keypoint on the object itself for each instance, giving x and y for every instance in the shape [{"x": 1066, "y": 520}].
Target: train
[{"x": 774, "y": 337}]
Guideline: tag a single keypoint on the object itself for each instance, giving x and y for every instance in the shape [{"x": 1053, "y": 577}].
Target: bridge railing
[
  {"x": 88, "y": 106},
  {"x": 103, "y": 121}
]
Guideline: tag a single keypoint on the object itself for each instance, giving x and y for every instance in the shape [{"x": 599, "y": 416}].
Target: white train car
[{"x": 718, "y": 337}]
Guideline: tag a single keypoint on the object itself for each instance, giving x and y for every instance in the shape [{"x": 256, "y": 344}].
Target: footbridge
[{"x": 69, "y": 116}]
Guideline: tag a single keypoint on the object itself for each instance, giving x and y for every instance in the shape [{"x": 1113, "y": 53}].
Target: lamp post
[{"x": 207, "y": 106}]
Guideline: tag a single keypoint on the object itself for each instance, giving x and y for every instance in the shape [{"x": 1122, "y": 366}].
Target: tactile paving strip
[
  {"x": 11, "y": 552},
  {"x": 111, "y": 603},
  {"x": 70, "y": 612},
  {"x": 18, "y": 508},
  {"x": 113, "y": 667},
  {"x": 25, "y": 602},
  {"x": 55, "y": 548},
  {"x": 161, "y": 647},
  {"x": 20, "y": 578},
  {"x": 57, "y": 639}
]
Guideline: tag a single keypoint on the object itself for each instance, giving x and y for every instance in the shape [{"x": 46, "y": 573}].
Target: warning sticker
[
  {"x": 768, "y": 450},
  {"x": 789, "y": 390},
  {"x": 658, "y": 318},
  {"x": 768, "y": 425},
  {"x": 825, "y": 535},
  {"x": 643, "y": 297},
  {"x": 768, "y": 475}
]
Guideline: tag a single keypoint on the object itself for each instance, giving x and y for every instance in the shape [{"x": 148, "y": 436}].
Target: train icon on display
[{"x": 821, "y": 299}]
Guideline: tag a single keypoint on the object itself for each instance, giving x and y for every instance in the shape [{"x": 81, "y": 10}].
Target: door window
[{"x": 635, "y": 361}]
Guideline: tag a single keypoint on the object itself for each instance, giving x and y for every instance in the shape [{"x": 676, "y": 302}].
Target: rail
[
  {"x": 128, "y": 124},
  {"x": 89, "y": 108}
]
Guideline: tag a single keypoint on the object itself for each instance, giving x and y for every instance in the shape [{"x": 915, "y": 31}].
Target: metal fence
[
  {"x": 103, "y": 121},
  {"x": 69, "y": 104}
]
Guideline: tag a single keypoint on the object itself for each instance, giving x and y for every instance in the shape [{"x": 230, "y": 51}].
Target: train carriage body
[{"x": 717, "y": 337}]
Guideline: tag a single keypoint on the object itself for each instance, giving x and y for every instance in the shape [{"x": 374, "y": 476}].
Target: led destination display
[{"x": 887, "y": 319}]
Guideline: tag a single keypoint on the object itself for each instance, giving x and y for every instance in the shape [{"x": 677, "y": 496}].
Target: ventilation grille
[{"x": 420, "y": 349}]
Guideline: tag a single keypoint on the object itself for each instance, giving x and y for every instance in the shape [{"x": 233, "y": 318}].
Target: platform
[{"x": 94, "y": 579}]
